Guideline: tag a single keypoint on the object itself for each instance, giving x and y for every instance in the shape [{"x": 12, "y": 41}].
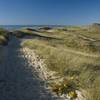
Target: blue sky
[{"x": 53, "y": 12}]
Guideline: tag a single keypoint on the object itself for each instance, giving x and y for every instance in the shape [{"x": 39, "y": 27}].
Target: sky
[{"x": 49, "y": 12}]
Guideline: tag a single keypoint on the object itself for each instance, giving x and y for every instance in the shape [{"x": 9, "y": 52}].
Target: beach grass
[
  {"x": 72, "y": 56},
  {"x": 4, "y": 36}
]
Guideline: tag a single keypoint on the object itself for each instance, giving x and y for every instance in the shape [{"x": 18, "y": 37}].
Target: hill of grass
[
  {"x": 4, "y": 35},
  {"x": 73, "y": 53}
]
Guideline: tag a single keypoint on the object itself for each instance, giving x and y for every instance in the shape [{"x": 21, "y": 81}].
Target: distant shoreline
[{"x": 15, "y": 27}]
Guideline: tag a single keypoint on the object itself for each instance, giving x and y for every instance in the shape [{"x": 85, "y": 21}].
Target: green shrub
[{"x": 66, "y": 87}]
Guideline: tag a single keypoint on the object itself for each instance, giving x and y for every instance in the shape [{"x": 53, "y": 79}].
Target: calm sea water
[{"x": 15, "y": 27}]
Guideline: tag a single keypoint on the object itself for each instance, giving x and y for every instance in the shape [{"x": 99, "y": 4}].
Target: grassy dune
[
  {"x": 3, "y": 37},
  {"x": 79, "y": 65}
]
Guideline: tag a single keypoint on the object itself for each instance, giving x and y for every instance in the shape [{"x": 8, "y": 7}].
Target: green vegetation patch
[{"x": 66, "y": 87}]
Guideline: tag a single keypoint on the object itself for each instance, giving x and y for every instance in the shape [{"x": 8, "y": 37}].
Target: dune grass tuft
[{"x": 4, "y": 36}]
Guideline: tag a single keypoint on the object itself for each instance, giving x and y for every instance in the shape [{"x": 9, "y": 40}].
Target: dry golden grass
[
  {"x": 3, "y": 40},
  {"x": 85, "y": 69}
]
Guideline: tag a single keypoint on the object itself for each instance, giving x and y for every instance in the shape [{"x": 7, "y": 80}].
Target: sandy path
[
  {"x": 17, "y": 81},
  {"x": 82, "y": 53}
]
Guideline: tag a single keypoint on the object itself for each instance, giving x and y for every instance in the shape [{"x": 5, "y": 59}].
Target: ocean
[{"x": 16, "y": 27}]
